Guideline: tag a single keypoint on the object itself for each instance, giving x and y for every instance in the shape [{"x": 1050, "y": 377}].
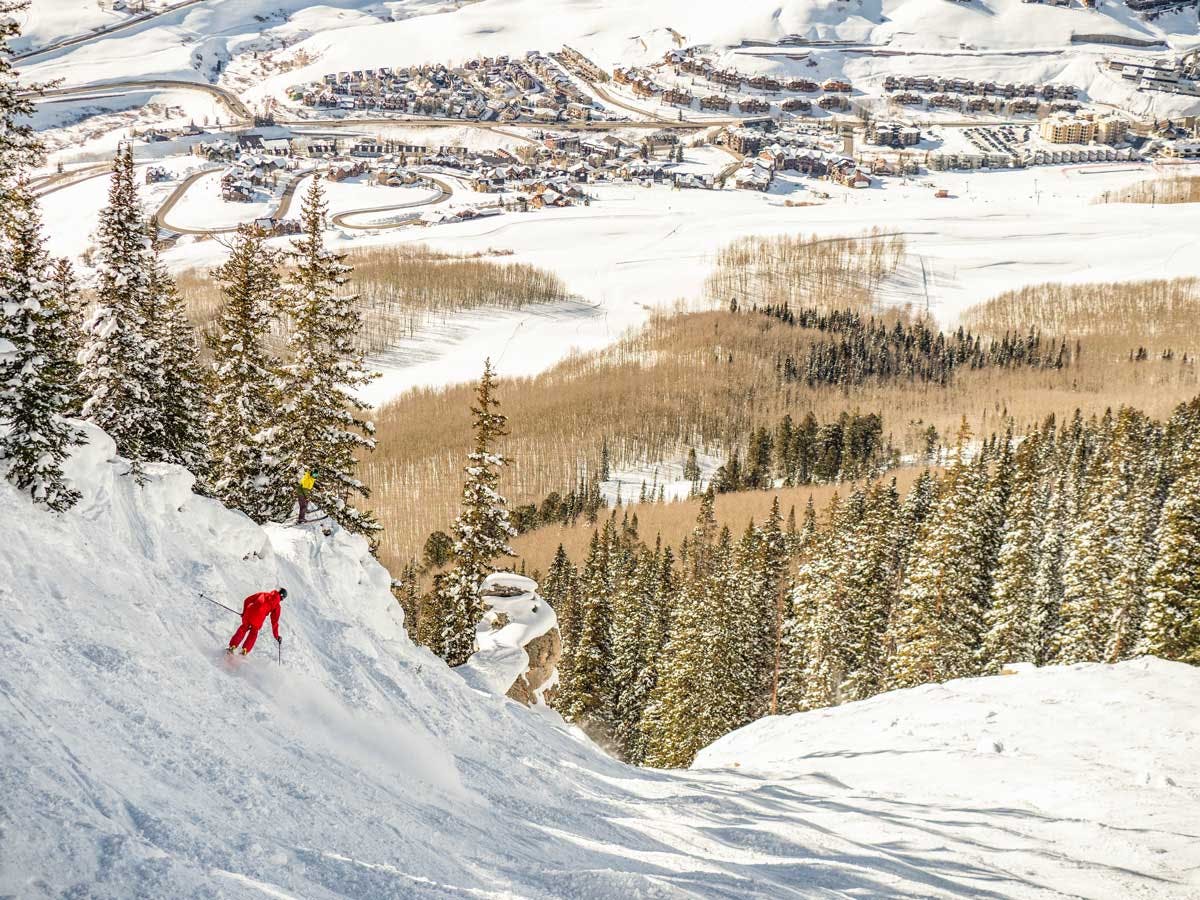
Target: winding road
[
  {"x": 227, "y": 98},
  {"x": 441, "y": 196},
  {"x": 284, "y": 205}
]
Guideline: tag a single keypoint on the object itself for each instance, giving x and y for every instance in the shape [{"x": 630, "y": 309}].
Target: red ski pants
[{"x": 249, "y": 632}]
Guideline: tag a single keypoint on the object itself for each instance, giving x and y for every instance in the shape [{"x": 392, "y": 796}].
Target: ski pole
[
  {"x": 279, "y": 647},
  {"x": 217, "y": 603}
]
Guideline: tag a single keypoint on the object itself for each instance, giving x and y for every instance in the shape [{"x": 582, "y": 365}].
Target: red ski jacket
[{"x": 257, "y": 607}]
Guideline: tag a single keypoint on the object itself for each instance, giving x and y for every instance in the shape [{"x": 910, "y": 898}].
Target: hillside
[
  {"x": 135, "y": 761},
  {"x": 1102, "y": 751},
  {"x": 1001, "y": 39}
]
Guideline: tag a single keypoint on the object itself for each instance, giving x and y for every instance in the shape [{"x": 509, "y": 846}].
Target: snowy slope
[
  {"x": 136, "y": 761},
  {"x": 1006, "y": 39},
  {"x": 1101, "y": 751}
]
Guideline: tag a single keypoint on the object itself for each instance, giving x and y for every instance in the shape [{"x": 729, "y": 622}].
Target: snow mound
[
  {"x": 138, "y": 761},
  {"x": 1115, "y": 745}
]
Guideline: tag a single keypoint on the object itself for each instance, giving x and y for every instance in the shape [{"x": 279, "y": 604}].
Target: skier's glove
[{"x": 279, "y": 640}]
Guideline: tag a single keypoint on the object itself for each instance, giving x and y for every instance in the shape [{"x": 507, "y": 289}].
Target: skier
[
  {"x": 304, "y": 490},
  {"x": 255, "y": 610}
]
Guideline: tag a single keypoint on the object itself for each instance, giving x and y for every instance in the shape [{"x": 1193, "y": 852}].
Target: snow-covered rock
[{"x": 517, "y": 642}]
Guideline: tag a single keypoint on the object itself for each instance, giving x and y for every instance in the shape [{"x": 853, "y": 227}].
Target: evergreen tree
[
  {"x": 767, "y": 571},
  {"x": 872, "y": 573},
  {"x": 122, "y": 371},
  {"x": 633, "y": 613},
  {"x": 938, "y": 628},
  {"x": 831, "y": 606},
  {"x": 182, "y": 399},
  {"x": 586, "y": 698},
  {"x": 482, "y": 529},
  {"x": 677, "y": 718},
  {"x": 244, "y": 469},
  {"x": 1173, "y": 587},
  {"x": 35, "y": 391},
  {"x": 67, "y": 337},
  {"x": 560, "y": 588},
  {"x": 321, "y": 431},
  {"x": 1108, "y": 535},
  {"x": 657, "y": 588},
  {"x": 691, "y": 469},
  {"x": 1014, "y": 628},
  {"x": 808, "y": 649},
  {"x": 20, "y": 148},
  {"x": 408, "y": 595}
]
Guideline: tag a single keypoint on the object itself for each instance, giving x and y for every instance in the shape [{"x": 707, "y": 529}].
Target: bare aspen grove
[
  {"x": 1175, "y": 189},
  {"x": 402, "y": 287}
]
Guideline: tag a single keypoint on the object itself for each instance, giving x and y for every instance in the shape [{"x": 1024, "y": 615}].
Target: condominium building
[
  {"x": 1064, "y": 129},
  {"x": 1111, "y": 129}
]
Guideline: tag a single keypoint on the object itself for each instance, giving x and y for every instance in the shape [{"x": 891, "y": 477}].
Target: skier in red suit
[{"x": 255, "y": 610}]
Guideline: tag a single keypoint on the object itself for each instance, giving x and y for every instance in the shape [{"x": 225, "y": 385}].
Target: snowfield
[{"x": 136, "y": 761}]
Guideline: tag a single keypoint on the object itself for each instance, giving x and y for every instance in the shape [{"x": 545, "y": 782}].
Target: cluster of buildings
[
  {"x": 893, "y": 134},
  {"x": 1084, "y": 129},
  {"x": 247, "y": 175},
  {"x": 692, "y": 62},
  {"x": 1034, "y": 156},
  {"x": 806, "y": 152},
  {"x": 928, "y": 84},
  {"x": 965, "y": 95},
  {"x": 641, "y": 83},
  {"x": 1173, "y": 77},
  {"x": 533, "y": 88}
]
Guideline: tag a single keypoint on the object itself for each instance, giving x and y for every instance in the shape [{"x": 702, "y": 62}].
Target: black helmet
[{"x": 282, "y": 593}]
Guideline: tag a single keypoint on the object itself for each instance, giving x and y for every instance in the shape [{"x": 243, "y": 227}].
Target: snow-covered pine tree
[
  {"x": 322, "y": 430},
  {"x": 431, "y": 621},
  {"x": 1013, "y": 626},
  {"x": 734, "y": 621},
  {"x": 122, "y": 371},
  {"x": 696, "y": 699},
  {"x": 1110, "y": 527},
  {"x": 768, "y": 571},
  {"x": 1065, "y": 464},
  {"x": 674, "y": 720},
  {"x": 408, "y": 594},
  {"x": 801, "y": 646},
  {"x": 830, "y": 604},
  {"x": 20, "y": 147},
  {"x": 482, "y": 529},
  {"x": 34, "y": 390},
  {"x": 1147, "y": 476},
  {"x": 658, "y": 592},
  {"x": 560, "y": 588},
  {"x": 586, "y": 696},
  {"x": 1172, "y": 628},
  {"x": 634, "y": 610},
  {"x": 67, "y": 337},
  {"x": 244, "y": 471},
  {"x": 873, "y": 569},
  {"x": 937, "y": 629},
  {"x": 182, "y": 401}
]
